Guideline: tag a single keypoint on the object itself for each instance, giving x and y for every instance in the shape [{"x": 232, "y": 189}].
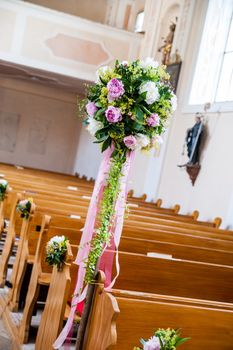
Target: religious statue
[
  {"x": 166, "y": 48},
  {"x": 193, "y": 141}
]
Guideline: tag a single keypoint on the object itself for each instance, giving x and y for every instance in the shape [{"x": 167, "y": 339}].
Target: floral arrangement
[
  {"x": 3, "y": 189},
  {"x": 56, "y": 250},
  {"x": 127, "y": 109},
  {"x": 24, "y": 208},
  {"x": 130, "y": 105},
  {"x": 164, "y": 339}
]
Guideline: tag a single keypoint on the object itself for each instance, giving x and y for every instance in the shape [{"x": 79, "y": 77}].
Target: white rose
[
  {"x": 101, "y": 71},
  {"x": 142, "y": 141},
  {"x": 149, "y": 62},
  {"x": 3, "y": 182},
  {"x": 93, "y": 126},
  {"x": 152, "y": 92},
  {"x": 173, "y": 102}
]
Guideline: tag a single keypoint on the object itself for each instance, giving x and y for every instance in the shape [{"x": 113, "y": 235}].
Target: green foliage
[
  {"x": 102, "y": 234},
  {"x": 169, "y": 339},
  {"x": 3, "y": 189},
  {"x": 24, "y": 208}
]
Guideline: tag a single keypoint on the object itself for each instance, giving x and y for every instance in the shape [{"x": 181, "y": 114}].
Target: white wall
[
  {"x": 47, "y": 131},
  {"x": 88, "y": 155}
]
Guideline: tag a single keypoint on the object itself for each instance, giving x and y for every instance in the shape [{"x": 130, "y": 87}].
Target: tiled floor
[{"x": 5, "y": 341}]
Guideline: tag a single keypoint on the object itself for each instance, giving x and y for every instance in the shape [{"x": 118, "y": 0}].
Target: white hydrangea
[
  {"x": 152, "y": 92},
  {"x": 93, "y": 126},
  {"x": 149, "y": 62},
  {"x": 56, "y": 239},
  {"x": 3, "y": 182},
  {"x": 173, "y": 102},
  {"x": 142, "y": 141}
]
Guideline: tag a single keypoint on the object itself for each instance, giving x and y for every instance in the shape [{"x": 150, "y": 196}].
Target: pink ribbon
[
  {"x": 106, "y": 260},
  {"x": 83, "y": 252}
]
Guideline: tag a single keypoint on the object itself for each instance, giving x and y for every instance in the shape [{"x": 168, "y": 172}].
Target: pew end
[
  {"x": 158, "y": 203},
  {"x": 56, "y": 305},
  {"x": 217, "y": 222},
  {"x": 104, "y": 312},
  {"x": 195, "y": 214}
]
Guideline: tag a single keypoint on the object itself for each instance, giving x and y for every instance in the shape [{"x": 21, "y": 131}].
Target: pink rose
[
  {"x": 130, "y": 142},
  {"x": 113, "y": 114},
  {"x": 115, "y": 89},
  {"x": 153, "y": 120},
  {"x": 91, "y": 108}
]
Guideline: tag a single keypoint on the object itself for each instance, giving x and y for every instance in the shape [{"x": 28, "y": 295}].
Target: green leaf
[
  {"x": 139, "y": 113},
  {"x": 181, "y": 341},
  {"x": 102, "y": 133},
  {"x": 146, "y": 110},
  {"x": 141, "y": 97},
  {"x": 98, "y": 104},
  {"x": 106, "y": 144},
  {"x": 99, "y": 113},
  {"x": 137, "y": 127}
]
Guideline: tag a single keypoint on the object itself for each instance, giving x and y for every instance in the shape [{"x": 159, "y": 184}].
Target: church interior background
[{"x": 51, "y": 49}]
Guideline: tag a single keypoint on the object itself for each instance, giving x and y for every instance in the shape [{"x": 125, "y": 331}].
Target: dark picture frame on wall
[{"x": 174, "y": 70}]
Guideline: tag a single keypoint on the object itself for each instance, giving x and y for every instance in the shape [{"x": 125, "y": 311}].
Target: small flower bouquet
[
  {"x": 130, "y": 105},
  {"x": 164, "y": 339},
  {"x": 24, "y": 208},
  {"x": 56, "y": 250},
  {"x": 3, "y": 189}
]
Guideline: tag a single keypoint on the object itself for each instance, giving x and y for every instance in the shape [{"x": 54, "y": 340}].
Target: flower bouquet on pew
[
  {"x": 24, "y": 208},
  {"x": 127, "y": 109},
  {"x": 3, "y": 189},
  {"x": 56, "y": 250},
  {"x": 163, "y": 339}
]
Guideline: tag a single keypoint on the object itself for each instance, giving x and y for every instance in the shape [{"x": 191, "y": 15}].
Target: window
[
  {"x": 139, "y": 22},
  {"x": 225, "y": 85},
  {"x": 213, "y": 76}
]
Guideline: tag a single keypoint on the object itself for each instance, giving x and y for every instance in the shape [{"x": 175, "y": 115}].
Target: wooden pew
[
  {"x": 119, "y": 319},
  {"x": 56, "y": 303},
  {"x": 41, "y": 272},
  {"x": 26, "y": 256},
  {"x": 175, "y": 277},
  {"x": 14, "y": 225}
]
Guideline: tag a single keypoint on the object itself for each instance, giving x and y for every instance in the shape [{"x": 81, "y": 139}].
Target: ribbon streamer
[{"x": 88, "y": 231}]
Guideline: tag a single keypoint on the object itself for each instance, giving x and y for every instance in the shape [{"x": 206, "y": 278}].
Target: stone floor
[{"x": 5, "y": 341}]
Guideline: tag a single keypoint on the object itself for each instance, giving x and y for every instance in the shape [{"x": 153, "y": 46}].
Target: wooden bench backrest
[
  {"x": 119, "y": 319},
  {"x": 174, "y": 277},
  {"x": 57, "y": 297}
]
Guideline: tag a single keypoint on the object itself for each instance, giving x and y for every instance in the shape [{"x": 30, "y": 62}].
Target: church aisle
[{"x": 5, "y": 340}]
